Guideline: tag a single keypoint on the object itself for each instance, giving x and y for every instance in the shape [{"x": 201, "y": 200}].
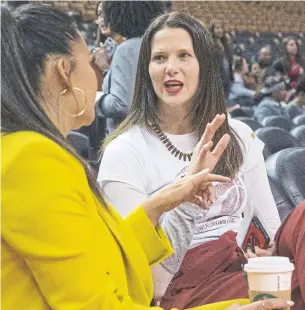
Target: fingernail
[
  {"x": 290, "y": 303},
  {"x": 205, "y": 170}
]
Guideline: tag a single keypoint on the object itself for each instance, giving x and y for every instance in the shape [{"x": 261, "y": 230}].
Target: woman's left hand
[
  {"x": 261, "y": 252},
  {"x": 101, "y": 60},
  {"x": 191, "y": 188}
]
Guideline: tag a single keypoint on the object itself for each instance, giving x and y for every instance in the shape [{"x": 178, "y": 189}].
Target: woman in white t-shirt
[{"x": 178, "y": 93}]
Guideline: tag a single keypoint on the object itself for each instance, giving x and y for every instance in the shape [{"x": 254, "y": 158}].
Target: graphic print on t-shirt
[{"x": 224, "y": 215}]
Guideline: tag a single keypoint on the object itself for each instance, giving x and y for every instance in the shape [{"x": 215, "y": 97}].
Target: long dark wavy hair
[
  {"x": 224, "y": 39},
  {"x": 298, "y": 57},
  {"x": 208, "y": 101},
  {"x": 28, "y": 36}
]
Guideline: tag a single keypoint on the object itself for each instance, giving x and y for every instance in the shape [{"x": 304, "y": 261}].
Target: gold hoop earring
[{"x": 80, "y": 112}]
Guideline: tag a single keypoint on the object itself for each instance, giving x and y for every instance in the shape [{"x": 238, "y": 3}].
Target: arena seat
[
  {"x": 283, "y": 205},
  {"x": 276, "y": 139},
  {"x": 299, "y": 120},
  {"x": 287, "y": 169},
  {"x": 254, "y": 125},
  {"x": 80, "y": 142},
  {"x": 299, "y": 134},
  {"x": 277, "y": 121}
]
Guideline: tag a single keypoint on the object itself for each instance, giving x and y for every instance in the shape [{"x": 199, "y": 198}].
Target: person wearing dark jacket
[{"x": 274, "y": 92}]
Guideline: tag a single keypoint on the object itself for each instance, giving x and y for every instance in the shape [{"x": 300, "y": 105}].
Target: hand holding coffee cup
[{"x": 269, "y": 277}]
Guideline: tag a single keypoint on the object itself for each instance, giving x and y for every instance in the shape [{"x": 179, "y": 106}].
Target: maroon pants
[{"x": 211, "y": 272}]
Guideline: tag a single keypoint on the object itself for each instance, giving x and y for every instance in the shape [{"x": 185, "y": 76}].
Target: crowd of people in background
[{"x": 246, "y": 81}]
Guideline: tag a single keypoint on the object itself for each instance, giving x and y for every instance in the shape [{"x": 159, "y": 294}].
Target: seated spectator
[
  {"x": 292, "y": 64},
  {"x": 297, "y": 105},
  {"x": 177, "y": 95},
  {"x": 273, "y": 92},
  {"x": 290, "y": 242},
  {"x": 264, "y": 60},
  {"x": 255, "y": 72},
  {"x": 238, "y": 88},
  {"x": 129, "y": 19}
]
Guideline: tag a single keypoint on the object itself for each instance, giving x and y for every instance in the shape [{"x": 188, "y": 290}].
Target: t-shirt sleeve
[
  {"x": 121, "y": 163},
  {"x": 255, "y": 177}
]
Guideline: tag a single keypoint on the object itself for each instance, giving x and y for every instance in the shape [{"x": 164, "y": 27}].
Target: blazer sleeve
[
  {"x": 153, "y": 240},
  {"x": 51, "y": 228}
]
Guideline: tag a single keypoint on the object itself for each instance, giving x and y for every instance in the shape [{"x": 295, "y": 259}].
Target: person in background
[
  {"x": 100, "y": 52},
  {"x": 239, "y": 90},
  {"x": 264, "y": 59},
  {"x": 128, "y": 19},
  {"x": 224, "y": 54},
  {"x": 273, "y": 93},
  {"x": 292, "y": 64},
  {"x": 62, "y": 245},
  {"x": 103, "y": 32},
  {"x": 255, "y": 70},
  {"x": 297, "y": 105},
  {"x": 178, "y": 94}
]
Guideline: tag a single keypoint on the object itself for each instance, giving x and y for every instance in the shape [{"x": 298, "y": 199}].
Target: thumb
[{"x": 199, "y": 177}]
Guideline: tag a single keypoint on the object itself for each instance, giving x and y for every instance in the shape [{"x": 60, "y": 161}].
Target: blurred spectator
[
  {"x": 264, "y": 57},
  {"x": 264, "y": 61},
  {"x": 274, "y": 92},
  {"x": 255, "y": 73},
  {"x": 291, "y": 64},
  {"x": 239, "y": 89},
  {"x": 224, "y": 54},
  {"x": 297, "y": 105},
  {"x": 129, "y": 19},
  {"x": 103, "y": 31}
]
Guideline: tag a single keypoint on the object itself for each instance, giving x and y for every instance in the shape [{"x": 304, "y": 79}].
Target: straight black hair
[{"x": 28, "y": 35}]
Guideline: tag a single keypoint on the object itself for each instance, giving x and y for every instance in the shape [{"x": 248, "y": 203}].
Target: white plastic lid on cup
[{"x": 269, "y": 264}]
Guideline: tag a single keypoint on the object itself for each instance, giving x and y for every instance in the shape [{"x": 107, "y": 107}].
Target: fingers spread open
[
  {"x": 221, "y": 145},
  {"x": 216, "y": 178},
  {"x": 211, "y": 128}
]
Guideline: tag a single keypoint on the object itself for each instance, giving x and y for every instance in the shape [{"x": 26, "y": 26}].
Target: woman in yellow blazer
[{"x": 63, "y": 247}]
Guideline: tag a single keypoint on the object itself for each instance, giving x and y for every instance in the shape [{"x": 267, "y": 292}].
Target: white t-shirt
[{"x": 137, "y": 164}]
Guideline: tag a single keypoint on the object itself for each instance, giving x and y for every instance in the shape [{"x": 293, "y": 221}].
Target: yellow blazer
[{"x": 61, "y": 249}]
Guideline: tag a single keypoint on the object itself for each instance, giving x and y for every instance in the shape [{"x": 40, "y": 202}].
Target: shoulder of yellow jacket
[{"x": 14, "y": 145}]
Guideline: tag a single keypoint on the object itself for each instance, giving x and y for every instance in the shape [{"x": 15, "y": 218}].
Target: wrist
[{"x": 152, "y": 208}]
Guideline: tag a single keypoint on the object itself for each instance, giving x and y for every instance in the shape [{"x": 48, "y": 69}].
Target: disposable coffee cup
[{"x": 269, "y": 277}]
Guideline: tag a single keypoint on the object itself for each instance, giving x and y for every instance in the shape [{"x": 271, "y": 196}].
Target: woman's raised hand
[
  {"x": 187, "y": 189},
  {"x": 203, "y": 157}
]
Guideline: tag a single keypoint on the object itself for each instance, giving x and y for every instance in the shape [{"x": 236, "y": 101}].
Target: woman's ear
[{"x": 63, "y": 68}]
